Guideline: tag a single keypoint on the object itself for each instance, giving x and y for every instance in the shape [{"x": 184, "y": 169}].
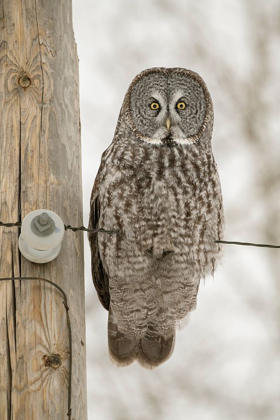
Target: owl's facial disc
[{"x": 170, "y": 106}]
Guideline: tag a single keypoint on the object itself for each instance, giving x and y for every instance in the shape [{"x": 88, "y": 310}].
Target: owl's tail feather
[
  {"x": 154, "y": 349},
  {"x": 122, "y": 349},
  {"x": 150, "y": 351}
]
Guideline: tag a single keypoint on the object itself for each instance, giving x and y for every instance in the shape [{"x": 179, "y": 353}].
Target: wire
[
  {"x": 248, "y": 244},
  {"x": 67, "y": 227},
  {"x": 65, "y": 303},
  {"x": 84, "y": 229},
  {"x": 10, "y": 224}
]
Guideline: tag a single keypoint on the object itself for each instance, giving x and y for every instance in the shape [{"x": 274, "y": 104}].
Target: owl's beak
[{"x": 168, "y": 124}]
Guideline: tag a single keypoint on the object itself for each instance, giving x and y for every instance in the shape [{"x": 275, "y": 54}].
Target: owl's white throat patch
[
  {"x": 176, "y": 140},
  {"x": 168, "y": 138}
]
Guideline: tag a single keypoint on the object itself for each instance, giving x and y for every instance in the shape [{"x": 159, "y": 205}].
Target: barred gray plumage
[{"x": 158, "y": 185}]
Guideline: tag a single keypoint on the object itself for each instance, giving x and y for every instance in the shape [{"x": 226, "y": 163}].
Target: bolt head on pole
[
  {"x": 42, "y": 232},
  {"x": 43, "y": 225}
]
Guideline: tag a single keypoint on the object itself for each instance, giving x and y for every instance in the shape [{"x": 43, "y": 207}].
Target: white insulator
[{"x": 41, "y": 235}]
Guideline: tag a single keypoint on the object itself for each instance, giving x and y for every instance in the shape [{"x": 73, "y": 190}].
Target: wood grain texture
[{"x": 40, "y": 167}]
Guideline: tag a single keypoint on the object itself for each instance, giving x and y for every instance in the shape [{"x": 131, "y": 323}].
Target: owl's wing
[{"x": 100, "y": 278}]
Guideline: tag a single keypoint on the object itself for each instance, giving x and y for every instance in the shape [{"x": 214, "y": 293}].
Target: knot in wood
[
  {"x": 24, "y": 81},
  {"x": 53, "y": 360}
]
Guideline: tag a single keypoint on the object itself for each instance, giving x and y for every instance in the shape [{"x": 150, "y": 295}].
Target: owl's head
[{"x": 168, "y": 106}]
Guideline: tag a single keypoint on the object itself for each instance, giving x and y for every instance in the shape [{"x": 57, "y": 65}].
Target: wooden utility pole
[{"x": 40, "y": 168}]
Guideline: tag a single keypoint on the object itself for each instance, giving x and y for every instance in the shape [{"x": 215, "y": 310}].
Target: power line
[
  {"x": 67, "y": 227},
  {"x": 84, "y": 229},
  {"x": 248, "y": 244},
  {"x": 18, "y": 224}
]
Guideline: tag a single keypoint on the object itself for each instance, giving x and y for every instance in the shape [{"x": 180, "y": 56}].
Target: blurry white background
[{"x": 226, "y": 363}]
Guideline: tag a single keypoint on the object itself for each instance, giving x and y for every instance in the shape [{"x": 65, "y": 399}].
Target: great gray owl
[{"x": 159, "y": 187}]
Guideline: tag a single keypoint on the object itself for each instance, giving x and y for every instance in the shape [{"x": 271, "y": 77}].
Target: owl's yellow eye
[
  {"x": 181, "y": 105},
  {"x": 154, "y": 105}
]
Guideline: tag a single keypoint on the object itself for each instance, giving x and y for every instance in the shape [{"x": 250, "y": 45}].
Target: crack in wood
[
  {"x": 43, "y": 84},
  {"x": 14, "y": 303},
  {"x": 19, "y": 191},
  {"x": 9, "y": 372}
]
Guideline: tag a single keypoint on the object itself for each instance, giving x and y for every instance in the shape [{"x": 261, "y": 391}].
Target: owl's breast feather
[{"x": 167, "y": 193}]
